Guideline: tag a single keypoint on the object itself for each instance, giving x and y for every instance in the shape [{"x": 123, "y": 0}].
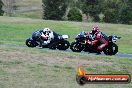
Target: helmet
[
  {"x": 46, "y": 30},
  {"x": 95, "y": 29}
]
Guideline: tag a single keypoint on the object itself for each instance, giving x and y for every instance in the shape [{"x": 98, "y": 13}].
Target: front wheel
[
  {"x": 63, "y": 45},
  {"x": 111, "y": 49},
  {"x": 76, "y": 47}
]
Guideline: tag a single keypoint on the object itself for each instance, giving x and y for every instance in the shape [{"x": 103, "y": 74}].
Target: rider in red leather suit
[{"x": 99, "y": 37}]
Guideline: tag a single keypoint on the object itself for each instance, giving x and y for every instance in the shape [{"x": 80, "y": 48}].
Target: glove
[
  {"x": 94, "y": 42},
  {"x": 89, "y": 42}
]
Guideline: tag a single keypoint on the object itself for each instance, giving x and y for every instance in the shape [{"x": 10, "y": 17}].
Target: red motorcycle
[{"x": 81, "y": 44}]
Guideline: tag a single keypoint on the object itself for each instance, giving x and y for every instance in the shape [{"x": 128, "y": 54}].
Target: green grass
[
  {"x": 35, "y": 68},
  {"x": 17, "y": 30}
]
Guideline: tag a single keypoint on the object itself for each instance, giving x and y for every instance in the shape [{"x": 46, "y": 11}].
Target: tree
[
  {"x": 125, "y": 14},
  {"x": 117, "y": 11},
  {"x": 1, "y": 11},
  {"x": 90, "y": 8},
  {"x": 74, "y": 15},
  {"x": 54, "y": 9},
  {"x": 111, "y": 9}
]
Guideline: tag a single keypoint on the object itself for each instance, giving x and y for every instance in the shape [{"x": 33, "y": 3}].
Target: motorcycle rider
[
  {"x": 99, "y": 37},
  {"x": 52, "y": 36},
  {"x": 44, "y": 36},
  {"x": 48, "y": 33}
]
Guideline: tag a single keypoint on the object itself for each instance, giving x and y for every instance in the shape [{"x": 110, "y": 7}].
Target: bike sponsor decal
[{"x": 83, "y": 78}]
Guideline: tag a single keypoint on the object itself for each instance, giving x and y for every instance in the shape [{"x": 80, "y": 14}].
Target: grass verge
[{"x": 31, "y": 68}]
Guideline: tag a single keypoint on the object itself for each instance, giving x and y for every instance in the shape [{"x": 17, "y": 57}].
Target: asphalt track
[{"x": 118, "y": 54}]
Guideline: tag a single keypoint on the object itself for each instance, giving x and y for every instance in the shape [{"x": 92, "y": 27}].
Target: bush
[
  {"x": 96, "y": 18},
  {"x": 54, "y": 9},
  {"x": 110, "y": 16},
  {"x": 125, "y": 17},
  {"x": 74, "y": 15}
]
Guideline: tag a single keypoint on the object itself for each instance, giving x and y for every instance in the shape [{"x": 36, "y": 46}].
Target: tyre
[
  {"x": 76, "y": 47},
  {"x": 111, "y": 49},
  {"x": 63, "y": 45},
  {"x": 29, "y": 43}
]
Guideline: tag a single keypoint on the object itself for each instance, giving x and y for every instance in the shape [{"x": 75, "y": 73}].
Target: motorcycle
[
  {"x": 60, "y": 42},
  {"x": 81, "y": 44}
]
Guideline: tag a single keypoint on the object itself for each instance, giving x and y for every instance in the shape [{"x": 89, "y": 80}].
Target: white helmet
[{"x": 46, "y": 30}]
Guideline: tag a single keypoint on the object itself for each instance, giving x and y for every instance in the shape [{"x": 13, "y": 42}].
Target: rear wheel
[
  {"x": 29, "y": 43},
  {"x": 111, "y": 49},
  {"x": 76, "y": 47}
]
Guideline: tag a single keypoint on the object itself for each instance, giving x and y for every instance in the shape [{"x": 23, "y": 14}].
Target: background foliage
[
  {"x": 54, "y": 9},
  {"x": 1, "y": 11},
  {"x": 109, "y": 11},
  {"x": 74, "y": 15}
]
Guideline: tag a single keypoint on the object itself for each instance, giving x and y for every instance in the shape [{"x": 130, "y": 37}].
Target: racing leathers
[
  {"x": 40, "y": 37},
  {"x": 102, "y": 39},
  {"x": 48, "y": 37}
]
